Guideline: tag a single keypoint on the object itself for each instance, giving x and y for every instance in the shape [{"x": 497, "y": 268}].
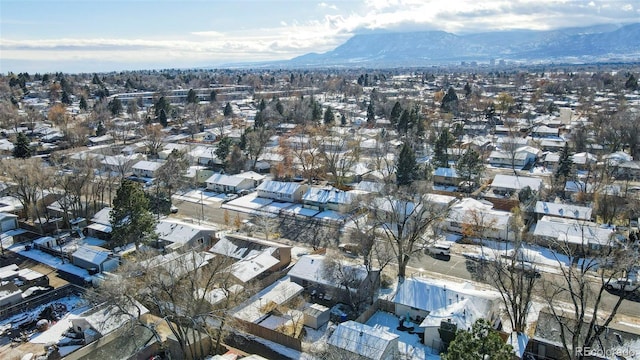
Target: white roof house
[
  {"x": 176, "y": 234},
  {"x": 436, "y": 301},
  {"x": 517, "y": 183},
  {"x": 249, "y": 268},
  {"x": 146, "y": 168},
  {"x": 480, "y": 214},
  {"x": 571, "y": 231},
  {"x": 229, "y": 183},
  {"x": 563, "y": 210},
  {"x": 365, "y": 341},
  {"x": 283, "y": 191}
]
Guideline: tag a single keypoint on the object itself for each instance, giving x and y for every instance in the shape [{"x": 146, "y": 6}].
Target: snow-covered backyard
[{"x": 409, "y": 345}]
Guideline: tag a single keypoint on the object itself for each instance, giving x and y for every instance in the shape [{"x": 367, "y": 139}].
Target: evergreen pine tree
[
  {"x": 65, "y": 98},
  {"x": 329, "y": 118},
  {"x": 395, "y": 113},
  {"x": 631, "y": 83},
  {"x": 192, "y": 97},
  {"x": 343, "y": 120},
  {"x": 162, "y": 118},
  {"x": 228, "y": 111},
  {"x": 100, "y": 129},
  {"x": 482, "y": 342},
  {"x": 407, "y": 167},
  {"x": 565, "y": 164},
  {"x": 83, "y": 104},
  {"x": 130, "y": 217},
  {"x": 21, "y": 148},
  {"x": 440, "y": 155},
  {"x": 371, "y": 114}
]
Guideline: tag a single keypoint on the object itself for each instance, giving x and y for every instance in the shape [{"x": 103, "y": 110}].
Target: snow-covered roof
[
  {"x": 251, "y": 175},
  {"x": 466, "y": 210},
  {"x": 369, "y": 186},
  {"x": 564, "y": 210},
  {"x": 147, "y": 165},
  {"x": 446, "y": 172},
  {"x": 572, "y": 231},
  {"x": 251, "y": 267},
  {"x": 311, "y": 268},
  {"x": 438, "y": 297},
  {"x": 279, "y": 187},
  {"x": 225, "y": 180},
  {"x": 102, "y": 217},
  {"x": 109, "y": 318},
  {"x": 279, "y": 293},
  {"x": 516, "y": 182},
  {"x": 364, "y": 340},
  {"x": 323, "y": 196},
  {"x": 92, "y": 254},
  {"x": 179, "y": 232}
]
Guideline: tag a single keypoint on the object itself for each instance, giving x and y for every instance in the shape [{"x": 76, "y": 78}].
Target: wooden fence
[
  {"x": 379, "y": 304},
  {"x": 270, "y": 335},
  {"x": 36, "y": 301}
]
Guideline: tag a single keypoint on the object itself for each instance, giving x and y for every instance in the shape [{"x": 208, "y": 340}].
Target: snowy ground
[
  {"x": 543, "y": 258},
  {"x": 408, "y": 344},
  {"x": 199, "y": 196},
  {"x": 48, "y": 259}
]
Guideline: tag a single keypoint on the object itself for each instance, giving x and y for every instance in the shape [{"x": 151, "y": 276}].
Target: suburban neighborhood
[{"x": 321, "y": 214}]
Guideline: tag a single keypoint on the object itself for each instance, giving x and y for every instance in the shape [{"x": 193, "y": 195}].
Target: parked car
[
  {"x": 442, "y": 249},
  {"x": 527, "y": 268},
  {"x": 230, "y": 197},
  {"x": 626, "y": 285}
]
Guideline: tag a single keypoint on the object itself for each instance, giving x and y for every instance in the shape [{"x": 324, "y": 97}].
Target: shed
[
  {"x": 8, "y": 222},
  {"x": 94, "y": 257},
  {"x": 316, "y": 316}
]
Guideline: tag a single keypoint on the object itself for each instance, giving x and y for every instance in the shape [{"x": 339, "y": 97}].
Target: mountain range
[{"x": 395, "y": 49}]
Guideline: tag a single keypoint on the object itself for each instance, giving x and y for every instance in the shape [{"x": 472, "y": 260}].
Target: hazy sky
[{"x": 100, "y": 35}]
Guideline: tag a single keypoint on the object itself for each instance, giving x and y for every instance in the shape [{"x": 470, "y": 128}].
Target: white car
[
  {"x": 626, "y": 285},
  {"x": 442, "y": 249}
]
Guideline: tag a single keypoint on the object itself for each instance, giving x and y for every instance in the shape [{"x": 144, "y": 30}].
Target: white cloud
[
  {"x": 296, "y": 36},
  {"x": 328, "y": 6},
  {"x": 208, "y": 33}
]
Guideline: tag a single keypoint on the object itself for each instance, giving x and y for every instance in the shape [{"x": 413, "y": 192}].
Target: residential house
[
  {"x": 281, "y": 191},
  {"x": 314, "y": 274},
  {"x": 255, "y": 257},
  {"x": 561, "y": 210},
  {"x": 146, "y": 169},
  {"x": 229, "y": 184},
  {"x": 584, "y": 161},
  {"x": 506, "y": 185},
  {"x": 253, "y": 176},
  {"x": 174, "y": 235},
  {"x": 544, "y": 131},
  {"x": 551, "y": 161},
  {"x": 100, "y": 225},
  {"x": 618, "y": 339},
  {"x": 322, "y": 199},
  {"x": 519, "y": 159},
  {"x": 576, "y": 234},
  {"x": 352, "y": 339},
  {"x": 478, "y": 219},
  {"x": 446, "y": 176},
  {"x": 431, "y": 302},
  {"x": 629, "y": 170}
]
